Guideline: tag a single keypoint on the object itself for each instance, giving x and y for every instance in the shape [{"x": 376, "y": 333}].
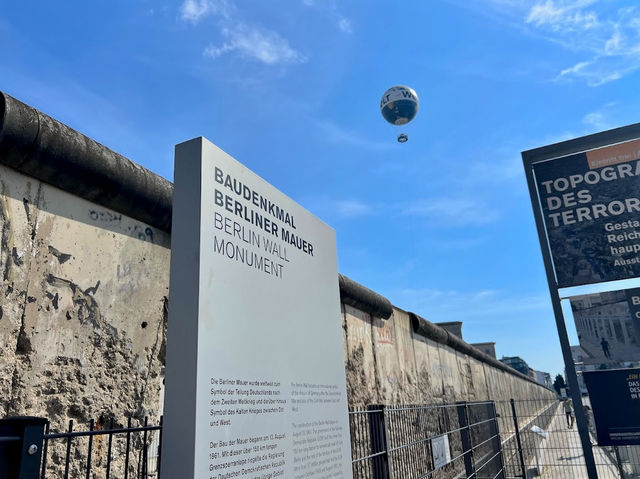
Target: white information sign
[
  {"x": 255, "y": 375},
  {"x": 440, "y": 451}
]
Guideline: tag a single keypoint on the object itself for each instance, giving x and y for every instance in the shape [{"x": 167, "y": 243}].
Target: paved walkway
[{"x": 562, "y": 457}]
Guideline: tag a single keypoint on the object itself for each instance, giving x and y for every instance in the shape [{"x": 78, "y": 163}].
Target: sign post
[
  {"x": 255, "y": 378},
  {"x": 577, "y": 187}
]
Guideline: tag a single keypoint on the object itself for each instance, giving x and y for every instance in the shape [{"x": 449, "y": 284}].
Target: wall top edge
[
  {"x": 39, "y": 146},
  {"x": 364, "y": 299},
  {"x": 440, "y": 335}
]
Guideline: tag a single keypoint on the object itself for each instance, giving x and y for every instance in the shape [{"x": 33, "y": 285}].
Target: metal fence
[
  {"x": 448, "y": 441},
  {"x": 549, "y": 444},
  {"x": 523, "y": 425},
  {"x": 130, "y": 451},
  {"x": 466, "y": 440},
  {"x": 502, "y": 440}
]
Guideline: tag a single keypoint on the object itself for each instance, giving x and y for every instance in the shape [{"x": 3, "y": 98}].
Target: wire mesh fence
[
  {"x": 628, "y": 458},
  {"x": 504, "y": 439},
  {"x": 523, "y": 425},
  {"x": 547, "y": 443},
  {"x": 426, "y": 441},
  {"x": 472, "y": 440}
]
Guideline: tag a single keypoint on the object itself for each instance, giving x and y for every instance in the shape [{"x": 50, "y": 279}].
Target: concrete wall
[
  {"x": 83, "y": 300},
  {"x": 389, "y": 363}
]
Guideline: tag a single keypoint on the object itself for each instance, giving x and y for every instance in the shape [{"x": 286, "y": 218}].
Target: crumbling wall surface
[
  {"x": 408, "y": 370},
  {"x": 478, "y": 387},
  {"x": 362, "y": 387},
  {"x": 423, "y": 365},
  {"x": 17, "y": 229},
  {"x": 429, "y": 383},
  {"x": 395, "y": 359},
  {"x": 82, "y": 306}
]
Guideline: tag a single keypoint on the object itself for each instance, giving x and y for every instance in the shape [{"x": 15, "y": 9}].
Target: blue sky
[{"x": 441, "y": 225}]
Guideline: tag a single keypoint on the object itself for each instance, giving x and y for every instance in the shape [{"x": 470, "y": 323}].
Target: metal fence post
[
  {"x": 21, "y": 447},
  {"x": 619, "y": 463},
  {"x": 465, "y": 437},
  {"x": 159, "y": 460},
  {"x": 379, "y": 442},
  {"x": 518, "y": 442},
  {"x": 495, "y": 430},
  {"x": 387, "y": 442}
]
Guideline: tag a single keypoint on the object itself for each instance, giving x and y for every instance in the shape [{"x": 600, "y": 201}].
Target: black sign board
[
  {"x": 585, "y": 195},
  {"x": 615, "y": 399},
  {"x": 591, "y": 209}
]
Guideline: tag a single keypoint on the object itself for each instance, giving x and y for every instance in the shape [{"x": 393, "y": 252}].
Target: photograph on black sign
[{"x": 608, "y": 328}]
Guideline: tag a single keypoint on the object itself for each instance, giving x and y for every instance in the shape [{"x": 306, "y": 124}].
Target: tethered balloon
[{"x": 399, "y": 105}]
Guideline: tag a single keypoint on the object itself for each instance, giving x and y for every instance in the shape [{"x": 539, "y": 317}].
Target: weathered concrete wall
[
  {"x": 83, "y": 303},
  {"x": 85, "y": 274},
  {"x": 390, "y": 363}
]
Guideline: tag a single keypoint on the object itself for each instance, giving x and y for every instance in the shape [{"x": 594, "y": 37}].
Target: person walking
[
  {"x": 568, "y": 410},
  {"x": 605, "y": 348},
  {"x": 590, "y": 422}
]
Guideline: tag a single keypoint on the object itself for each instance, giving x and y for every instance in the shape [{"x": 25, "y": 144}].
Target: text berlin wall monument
[{"x": 255, "y": 378}]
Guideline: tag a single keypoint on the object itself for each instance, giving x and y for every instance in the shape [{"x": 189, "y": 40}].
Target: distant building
[
  {"x": 454, "y": 327},
  {"x": 543, "y": 378},
  {"x": 487, "y": 348},
  {"x": 517, "y": 363}
]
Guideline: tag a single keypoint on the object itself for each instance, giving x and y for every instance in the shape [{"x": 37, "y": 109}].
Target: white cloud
[
  {"x": 601, "y": 119},
  {"x": 601, "y": 70},
  {"x": 259, "y": 44},
  {"x": 452, "y": 211},
  {"x": 544, "y": 13},
  {"x": 344, "y": 24},
  {"x": 337, "y": 134},
  {"x": 245, "y": 39},
  {"x": 458, "y": 244},
  {"x": 505, "y": 166},
  {"x": 604, "y": 39},
  {"x": 439, "y": 212},
  {"x": 595, "y": 119},
  {"x": 330, "y": 7},
  {"x": 352, "y": 208},
  {"x": 562, "y": 15},
  {"x": 444, "y": 305},
  {"x": 195, "y": 10},
  {"x": 575, "y": 69},
  {"x": 348, "y": 209},
  {"x": 613, "y": 45}
]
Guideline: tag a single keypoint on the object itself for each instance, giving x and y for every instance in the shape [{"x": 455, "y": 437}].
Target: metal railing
[
  {"x": 466, "y": 440},
  {"x": 426, "y": 441},
  {"x": 29, "y": 450},
  {"x": 129, "y": 452},
  {"x": 543, "y": 440}
]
